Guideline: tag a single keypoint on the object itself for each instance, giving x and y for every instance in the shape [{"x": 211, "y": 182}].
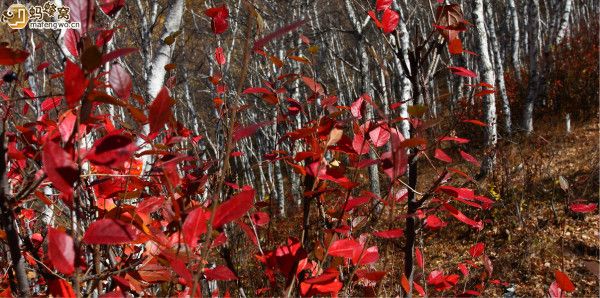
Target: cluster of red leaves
[
  {"x": 167, "y": 237},
  {"x": 389, "y": 18}
]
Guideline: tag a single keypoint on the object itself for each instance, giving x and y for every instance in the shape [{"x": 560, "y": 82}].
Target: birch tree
[
  {"x": 533, "y": 33},
  {"x": 365, "y": 84},
  {"x": 487, "y": 75},
  {"x": 498, "y": 67},
  {"x": 165, "y": 49},
  {"x": 513, "y": 19}
]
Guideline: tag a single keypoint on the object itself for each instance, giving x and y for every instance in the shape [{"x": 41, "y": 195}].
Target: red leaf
[
  {"x": 110, "y": 231},
  {"x": 219, "y": 56},
  {"x": 441, "y": 155},
  {"x": 258, "y": 44},
  {"x": 395, "y": 161},
  {"x": 257, "y": 90},
  {"x": 461, "y": 71},
  {"x": 260, "y": 219},
  {"x": 419, "y": 257},
  {"x": 82, "y": 12},
  {"x": 382, "y": 4},
  {"x": 117, "y": 53},
  {"x": 356, "y": 107},
  {"x": 461, "y": 192},
  {"x": 554, "y": 291},
  {"x": 111, "y": 7},
  {"x": 468, "y": 157},
  {"x": 374, "y": 18},
  {"x": 120, "y": 81},
  {"x": 219, "y": 273},
  {"x": 435, "y": 277},
  {"x": 419, "y": 289},
  {"x": 51, "y": 103},
  {"x": 160, "y": 110},
  {"x": 369, "y": 256},
  {"x": 455, "y": 46},
  {"x": 389, "y": 234},
  {"x": 60, "y": 288},
  {"x": 433, "y": 222},
  {"x": 379, "y": 136},
  {"x": 563, "y": 281},
  {"x": 474, "y": 121},
  {"x": 234, "y": 208},
  {"x": 112, "y": 150},
  {"x": 583, "y": 208},
  {"x": 113, "y": 294},
  {"x": 71, "y": 40},
  {"x": 218, "y": 17},
  {"x": 248, "y": 231},
  {"x": 104, "y": 37},
  {"x": 179, "y": 267},
  {"x": 10, "y": 56},
  {"x": 194, "y": 226},
  {"x": 405, "y": 283},
  {"x": 60, "y": 168},
  {"x": 484, "y": 92},
  {"x": 66, "y": 125},
  {"x": 244, "y": 132},
  {"x": 60, "y": 251},
  {"x": 460, "y": 216},
  {"x": 313, "y": 85},
  {"x": 43, "y": 66},
  {"x": 463, "y": 269},
  {"x": 442, "y": 282},
  {"x": 355, "y": 202},
  {"x": 477, "y": 250},
  {"x": 359, "y": 144},
  {"x": 389, "y": 21},
  {"x": 324, "y": 284},
  {"x": 344, "y": 248},
  {"x": 374, "y": 276},
  {"x": 75, "y": 83}
]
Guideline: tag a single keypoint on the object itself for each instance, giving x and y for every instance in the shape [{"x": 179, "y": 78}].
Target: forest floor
[
  {"x": 530, "y": 232},
  {"x": 527, "y": 245},
  {"x": 527, "y": 251}
]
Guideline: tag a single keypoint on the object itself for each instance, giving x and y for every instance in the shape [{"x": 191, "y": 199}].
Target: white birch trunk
[
  {"x": 487, "y": 75},
  {"x": 515, "y": 36},
  {"x": 365, "y": 89},
  {"x": 564, "y": 22},
  {"x": 163, "y": 54},
  {"x": 499, "y": 68},
  {"x": 533, "y": 36}
]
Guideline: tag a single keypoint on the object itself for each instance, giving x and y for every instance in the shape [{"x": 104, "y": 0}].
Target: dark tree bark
[{"x": 9, "y": 225}]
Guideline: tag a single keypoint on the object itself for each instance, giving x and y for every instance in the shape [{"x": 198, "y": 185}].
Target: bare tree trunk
[
  {"x": 365, "y": 88},
  {"x": 499, "y": 68},
  {"x": 533, "y": 36},
  {"x": 489, "y": 100},
  {"x": 9, "y": 225},
  {"x": 163, "y": 54},
  {"x": 156, "y": 69},
  {"x": 279, "y": 188},
  {"x": 515, "y": 43}
]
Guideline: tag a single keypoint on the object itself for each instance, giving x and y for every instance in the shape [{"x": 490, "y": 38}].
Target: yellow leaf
[{"x": 299, "y": 59}]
